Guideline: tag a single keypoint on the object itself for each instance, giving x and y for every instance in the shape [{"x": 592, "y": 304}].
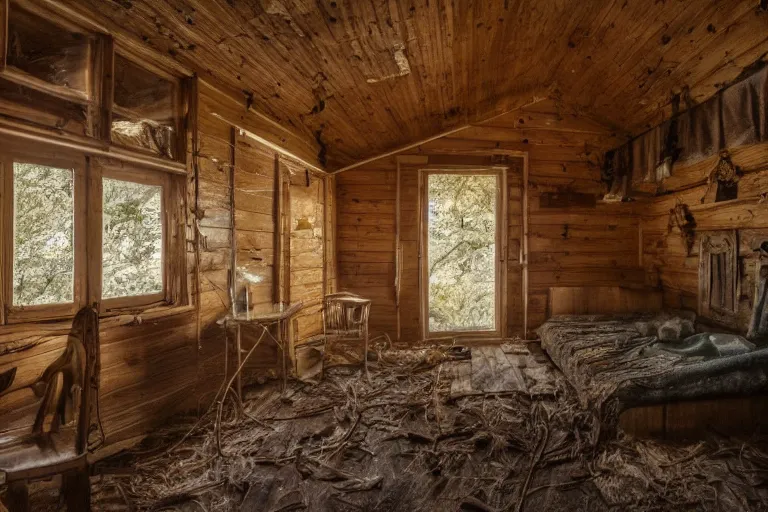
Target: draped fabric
[{"x": 737, "y": 116}]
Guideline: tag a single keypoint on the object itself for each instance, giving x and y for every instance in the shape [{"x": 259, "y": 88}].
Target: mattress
[{"x": 621, "y": 361}]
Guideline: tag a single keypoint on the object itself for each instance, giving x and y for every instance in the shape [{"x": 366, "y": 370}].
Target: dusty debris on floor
[{"x": 488, "y": 429}]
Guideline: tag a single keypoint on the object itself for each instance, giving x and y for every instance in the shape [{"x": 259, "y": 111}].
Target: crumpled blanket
[{"x": 624, "y": 361}]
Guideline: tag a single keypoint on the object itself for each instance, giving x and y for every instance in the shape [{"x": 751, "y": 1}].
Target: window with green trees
[
  {"x": 461, "y": 247},
  {"x": 132, "y": 239},
  {"x": 79, "y": 231},
  {"x": 43, "y": 235}
]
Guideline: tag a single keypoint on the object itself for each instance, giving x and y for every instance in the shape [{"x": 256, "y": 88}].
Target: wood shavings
[{"x": 401, "y": 442}]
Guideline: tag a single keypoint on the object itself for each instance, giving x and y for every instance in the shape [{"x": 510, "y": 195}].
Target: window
[
  {"x": 47, "y": 74},
  {"x": 132, "y": 239},
  {"x": 718, "y": 276},
  {"x": 118, "y": 242},
  {"x": 92, "y": 168},
  {"x": 48, "y": 53},
  {"x": 140, "y": 234},
  {"x": 59, "y": 72},
  {"x": 43, "y": 229},
  {"x": 43, "y": 235},
  {"x": 462, "y": 239},
  {"x": 144, "y": 112}
]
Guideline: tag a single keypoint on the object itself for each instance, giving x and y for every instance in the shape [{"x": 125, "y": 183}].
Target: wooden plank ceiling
[{"x": 360, "y": 77}]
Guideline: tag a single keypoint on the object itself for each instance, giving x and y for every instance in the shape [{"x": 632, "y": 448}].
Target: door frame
[{"x": 500, "y": 259}]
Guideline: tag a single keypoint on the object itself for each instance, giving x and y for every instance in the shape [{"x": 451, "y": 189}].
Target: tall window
[
  {"x": 43, "y": 235},
  {"x": 462, "y": 240}
]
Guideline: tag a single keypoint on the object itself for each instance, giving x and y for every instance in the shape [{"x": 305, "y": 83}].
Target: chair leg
[
  {"x": 365, "y": 356},
  {"x": 17, "y": 496},
  {"x": 76, "y": 488}
]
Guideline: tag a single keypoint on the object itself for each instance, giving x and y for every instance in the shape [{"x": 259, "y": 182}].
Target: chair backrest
[
  {"x": 78, "y": 368},
  {"x": 346, "y": 314}
]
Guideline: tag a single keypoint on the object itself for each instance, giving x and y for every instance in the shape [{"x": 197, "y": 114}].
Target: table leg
[
  {"x": 17, "y": 496},
  {"x": 239, "y": 349},
  {"x": 283, "y": 354},
  {"x": 365, "y": 355},
  {"x": 226, "y": 355}
]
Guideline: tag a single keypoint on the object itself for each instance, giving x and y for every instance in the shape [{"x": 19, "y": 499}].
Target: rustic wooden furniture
[
  {"x": 675, "y": 419},
  {"x": 278, "y": 319},
  {"x": 345, "y": 317},
  {"x": 63, "y": 448}
]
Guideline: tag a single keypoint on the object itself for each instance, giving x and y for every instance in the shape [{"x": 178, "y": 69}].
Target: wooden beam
[
  {"x": 325, "y": 234},
  {"x": 277, "y": 265},
  {"x": 195, "y": 160},
  {"x": 503, "y": 220},
  {"x": 233, "y": 240},
  {"x": 524, "y": 246},
  {"x": 287, "y": 233},
  {"x": 398, "y": 252},
  {"x": 530, "y": 100},
  {"x": 270, "y": 145},
  {"x": 87, "y": 145}
]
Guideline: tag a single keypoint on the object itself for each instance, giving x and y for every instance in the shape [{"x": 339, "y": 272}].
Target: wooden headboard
[{"x": 588, "y": 300}]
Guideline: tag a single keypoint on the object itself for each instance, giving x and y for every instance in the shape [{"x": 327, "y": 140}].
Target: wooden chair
[
  {"x": 345, "y": 317},
  {"x": 67, "y": 388}
]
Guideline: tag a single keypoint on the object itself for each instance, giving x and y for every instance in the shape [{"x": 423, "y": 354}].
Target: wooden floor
[{"x": 503, "y": 368}]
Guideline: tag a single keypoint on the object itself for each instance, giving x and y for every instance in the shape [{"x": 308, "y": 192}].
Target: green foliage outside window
[
  {"x": 462, "y": 252},
  {"x": 132, "y": 239},
  {"x": 43, "y": 252}
]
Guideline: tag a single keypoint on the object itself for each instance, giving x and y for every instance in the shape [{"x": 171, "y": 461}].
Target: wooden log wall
[
  {"x": 154, "y": 364},
  {"x": 666, "y": 260},
  {"x": 569, "y": 244}
]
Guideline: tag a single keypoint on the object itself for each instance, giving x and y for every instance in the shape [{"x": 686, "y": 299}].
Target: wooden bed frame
[{"x": 674, "y": 420}]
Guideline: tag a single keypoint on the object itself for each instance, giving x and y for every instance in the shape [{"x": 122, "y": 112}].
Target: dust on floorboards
[{"x": 490, "y": 428}]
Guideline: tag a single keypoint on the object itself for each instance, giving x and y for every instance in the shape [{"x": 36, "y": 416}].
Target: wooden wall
[
  {"x": 365, "y": 231},
  {"x": 305, "y": 248},
  {"x": 569, "y": 246},
  {"x": 154, "y": 364},
  {"x": 665, "y": 258}
]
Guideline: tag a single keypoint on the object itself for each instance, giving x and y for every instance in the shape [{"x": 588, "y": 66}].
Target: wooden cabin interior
[{"x": 353, "y": 255}]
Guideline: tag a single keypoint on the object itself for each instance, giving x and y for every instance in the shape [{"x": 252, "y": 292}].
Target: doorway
[{"x": 462, "y": 243}]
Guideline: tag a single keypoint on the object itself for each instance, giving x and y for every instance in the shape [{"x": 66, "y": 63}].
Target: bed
[{"x": 651, "y": 373}]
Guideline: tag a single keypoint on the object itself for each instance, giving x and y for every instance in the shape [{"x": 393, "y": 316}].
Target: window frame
[
  {"x": 21, "y": 77},
  {"x": 98, "y": 100},
  {"x": 61, "y": 160},
  {"x": 123, "y": 172},
  {"x": 93, "y": 154},
  {"x": 100, "y": 51},
  {"x": 179, "y": 93},
  {"x": 499, "y": 258}
]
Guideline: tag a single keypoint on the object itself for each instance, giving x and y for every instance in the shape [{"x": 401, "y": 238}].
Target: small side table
[{"x": 277, "y": 318}]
